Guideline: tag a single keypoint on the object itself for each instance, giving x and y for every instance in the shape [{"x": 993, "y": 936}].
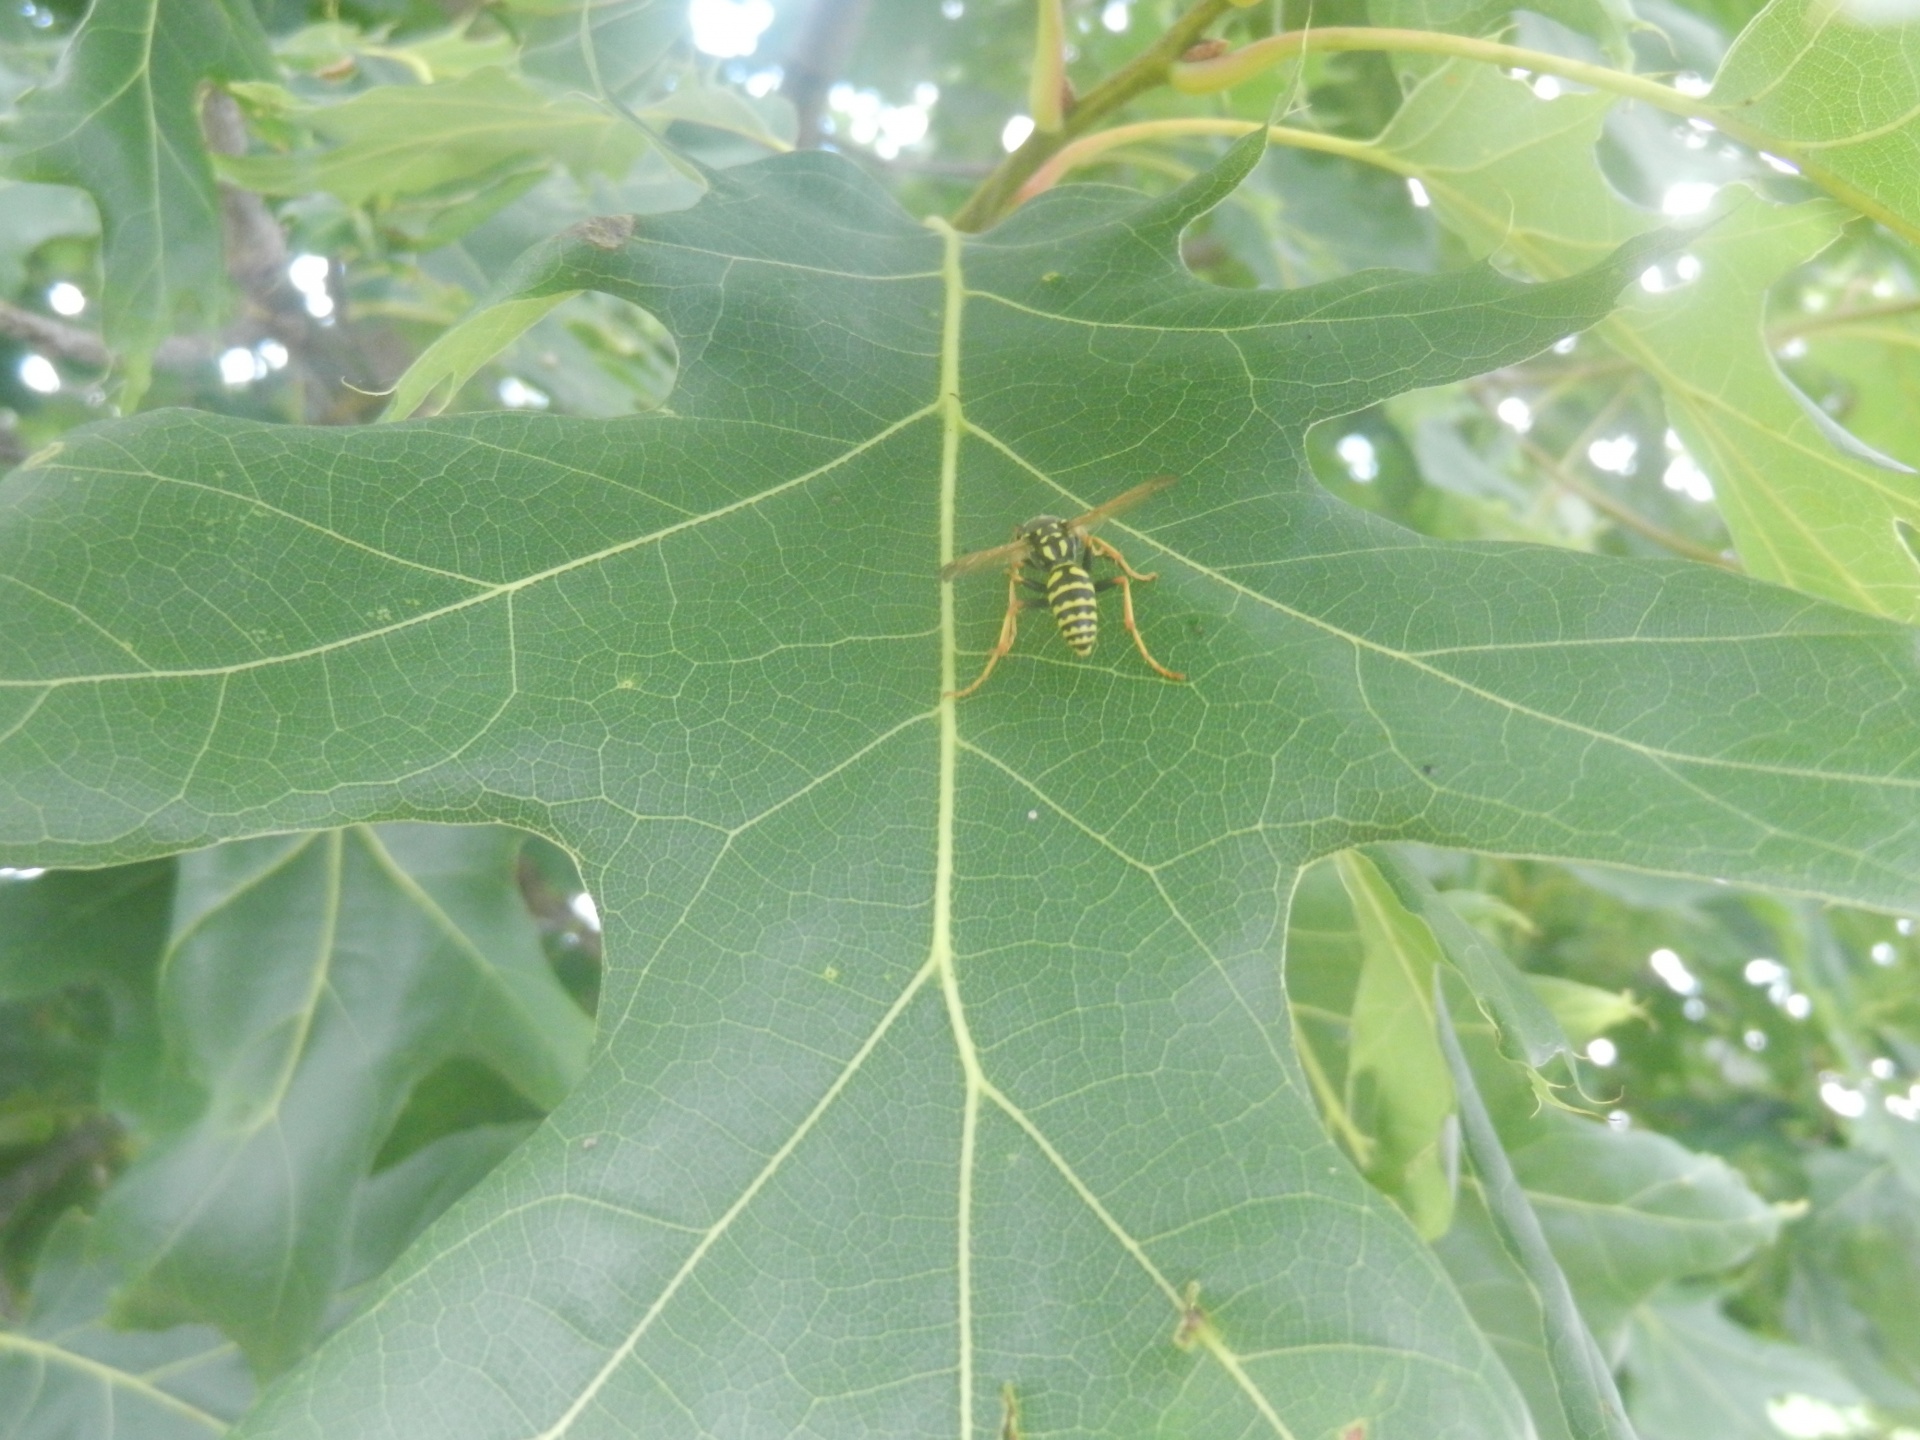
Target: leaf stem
[
  {"x": 1222, "y": 72},
  {"x": 1046, "y": 94},
  {"x": 1203, "y": 77},
  {"x": 1089, "y": 148},
  {"x": 1146, "y": 71},
  {"x": 1813, "y": 324}
]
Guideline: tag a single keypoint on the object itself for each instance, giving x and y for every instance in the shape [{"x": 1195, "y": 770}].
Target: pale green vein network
[
  {"x": 625, "y": 1357},
  {"x": 954, "y": 426},
  {"x": 939, "y": 965},
  {"x": 1210, "y": 1340},
  {"x": 1152, "y": 872},
  {"x": 719, "y": 1228},
  {"x": 1360, "y": 643},
  {"x": 57, "y": 1356},
  {"x": 1667, "y": 760},
  {"x": 492, "y": 592},
  {"x": 280, "y": 512}
]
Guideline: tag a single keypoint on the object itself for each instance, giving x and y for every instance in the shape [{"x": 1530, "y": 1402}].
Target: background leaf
[
  {"x": 603, "y": 48},
  {"x": 1398, "y": 1092},
  {"x": 396, "y": 140},
  {"x": 120, "y": 120},
  {"x": 1627, "y": 1211},
  {"x": 1834, "y": 88},
  {"x": 1570, "y": 1366},
  {"x": 1527, "y": 1026},
  {"x": 66, "y": 1373},
  {"x": 1856, "y": 1260},
  {"x": 1695, "y": 1372},
  {"x": 1801, "y": 509},
  {"x": 310, "y": 982}
]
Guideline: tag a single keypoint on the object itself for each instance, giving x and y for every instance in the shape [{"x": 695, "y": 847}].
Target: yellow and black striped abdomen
[{"x": 1070, "y": 597}]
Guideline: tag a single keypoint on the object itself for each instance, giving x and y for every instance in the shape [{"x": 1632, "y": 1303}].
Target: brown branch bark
[
  {"x": 326, "y": 355},
  {"x": 54, "y": 339}
]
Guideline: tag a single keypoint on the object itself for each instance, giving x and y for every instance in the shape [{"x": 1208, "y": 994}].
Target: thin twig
[
  {"x": 1810, "y": 324},
  {"x": 1569, "y": 479},
  {"x": 55, "y": 339},
  {"x": 327, "y": 356},
  {"x": 1560, "y": 469},
  {"x": 1146, "y": 71},
  {"x": 1599, "y": 421}
]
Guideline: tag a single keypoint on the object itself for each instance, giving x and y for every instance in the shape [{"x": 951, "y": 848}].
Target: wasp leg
[
  {"x": 1126, "y": 613},
  {"x": 1009, "y": 627},
  {"x": 1101, "y": 547}
]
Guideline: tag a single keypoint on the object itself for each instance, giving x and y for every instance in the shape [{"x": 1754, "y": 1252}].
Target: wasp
[{"x": 1049, "y": 558}]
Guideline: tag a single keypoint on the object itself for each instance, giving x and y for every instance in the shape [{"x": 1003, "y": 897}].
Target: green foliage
[
  {"x": 394, "y": 139},
  {"x": 1834, "y": 88},
  {"x": 1398, "y": 1091},
  {"x": 118, "y": 120},
  {"x": 65, "y": 1371},
  {"x": 400, "y": 948},
  {"x": 1097, "y": 1054}
]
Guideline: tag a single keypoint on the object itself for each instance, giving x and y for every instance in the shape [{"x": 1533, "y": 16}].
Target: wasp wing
[
  {"x": 1000, "y": 554},
  {"x": 982, "y": 559},
  {"x": 1125, "y": 500}
]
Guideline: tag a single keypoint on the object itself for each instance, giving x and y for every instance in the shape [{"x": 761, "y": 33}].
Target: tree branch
[
  {"x": 1146, "y": 71},
  {"x": 55, "y": 339}
]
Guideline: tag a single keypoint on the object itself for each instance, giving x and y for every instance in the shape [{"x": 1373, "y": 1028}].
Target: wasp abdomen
[{"x": 1070, "y": 597}]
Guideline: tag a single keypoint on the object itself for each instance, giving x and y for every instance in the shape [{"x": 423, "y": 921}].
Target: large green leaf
[
  {"x": 944, "y": 1044},
  {"x": 120, "y": 120}
]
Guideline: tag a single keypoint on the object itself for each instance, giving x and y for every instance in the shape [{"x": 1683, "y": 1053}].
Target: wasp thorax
[{"x": 1054, "y": 541}]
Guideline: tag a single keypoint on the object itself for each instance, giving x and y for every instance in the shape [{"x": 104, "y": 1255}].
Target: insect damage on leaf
[{"x": 1193, "y": 1325}]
